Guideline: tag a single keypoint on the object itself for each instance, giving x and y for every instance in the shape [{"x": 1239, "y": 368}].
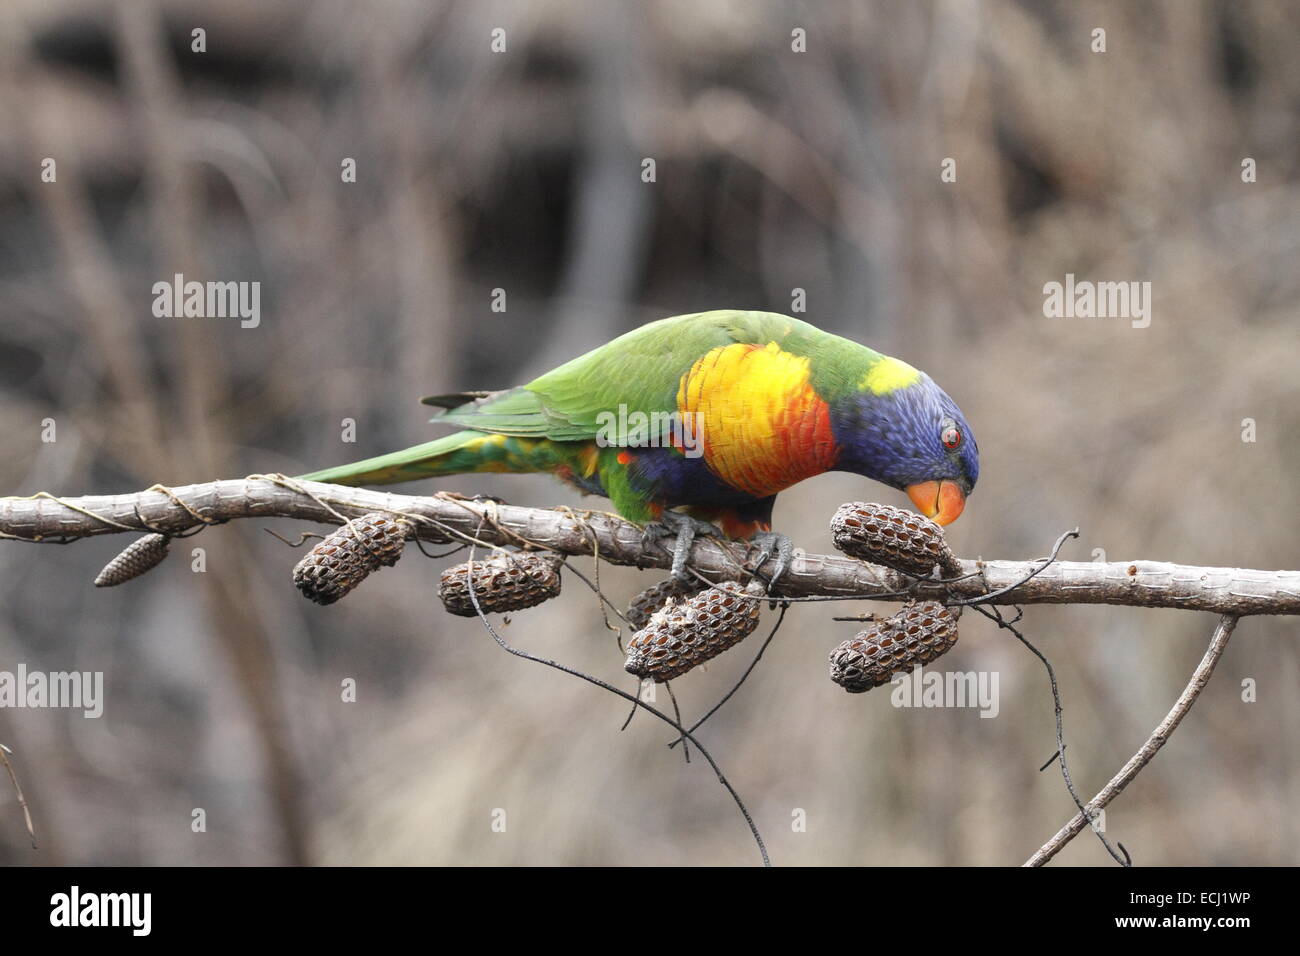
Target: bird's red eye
[{"x": 951, "y": 437}]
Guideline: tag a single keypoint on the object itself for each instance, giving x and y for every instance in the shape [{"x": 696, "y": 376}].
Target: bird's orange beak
[{"x": 941, "y": 500}]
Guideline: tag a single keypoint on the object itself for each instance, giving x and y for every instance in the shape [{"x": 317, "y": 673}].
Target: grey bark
[{"x": 443, "y": 518}]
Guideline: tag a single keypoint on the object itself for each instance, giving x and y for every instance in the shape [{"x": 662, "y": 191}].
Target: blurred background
[{"x": 521, "y": 170}]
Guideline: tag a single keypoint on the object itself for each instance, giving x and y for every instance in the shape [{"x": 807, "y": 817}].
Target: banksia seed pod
[
  {"x": 894, "y": 537},
  {"x": 681, "y": 635},
  {"x": 141, "y": 555},
  {"x": 341, "y": 561},
  {"x": 670, "y": 590},
  {"x": 917, "y": 634},
  {"x": 508, "y": 581}
]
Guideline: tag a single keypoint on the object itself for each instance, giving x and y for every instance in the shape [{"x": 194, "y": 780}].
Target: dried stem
[
  {"x": 18, "y": 791},
  {"x": 1200, "y": 677}
]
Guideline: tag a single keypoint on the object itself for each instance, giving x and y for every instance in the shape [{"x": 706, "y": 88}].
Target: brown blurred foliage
[{"x": 776, "y": 170}]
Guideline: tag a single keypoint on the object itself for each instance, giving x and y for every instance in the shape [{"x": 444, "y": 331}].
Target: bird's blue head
[{"x": 907, "y": 433}]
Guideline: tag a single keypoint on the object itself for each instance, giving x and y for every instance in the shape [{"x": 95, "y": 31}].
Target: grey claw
[
  {"x": 774, "y": 543},
  {"x": 684, "y": 529},
  {"x": 653, "y": 532}
]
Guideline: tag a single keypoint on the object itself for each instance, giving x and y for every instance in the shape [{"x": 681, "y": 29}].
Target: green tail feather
[{"x": 462, "y": 452}]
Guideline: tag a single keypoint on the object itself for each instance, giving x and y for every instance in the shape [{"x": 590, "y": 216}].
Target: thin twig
[
  {"x": 743, "y": 677},
  {"x": 636, "y": 702},
  {"x": 677, "y": 716},
  {"x": 18, "y": 790},
  {"x": 996, "y": 616},
  {"x": 1200, "y": 677},
  {"x": 1007, "y": 589}
]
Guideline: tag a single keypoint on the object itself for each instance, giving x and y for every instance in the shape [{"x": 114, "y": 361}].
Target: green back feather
[{"x": 643, "y": 370}]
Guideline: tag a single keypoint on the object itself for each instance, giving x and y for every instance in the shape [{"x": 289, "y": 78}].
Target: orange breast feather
[{"x": 764, "y": 428}]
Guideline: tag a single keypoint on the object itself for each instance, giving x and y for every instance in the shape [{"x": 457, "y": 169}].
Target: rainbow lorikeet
[{"x": 705, "y": 418}]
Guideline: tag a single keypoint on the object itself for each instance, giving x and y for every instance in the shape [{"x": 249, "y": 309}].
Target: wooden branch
[
  {"x": 1200, "y": 677},
  {"x": 445, "y": 517}
]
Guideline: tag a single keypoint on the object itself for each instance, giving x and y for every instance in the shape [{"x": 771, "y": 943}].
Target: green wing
[{"x": 640, "y": 370}]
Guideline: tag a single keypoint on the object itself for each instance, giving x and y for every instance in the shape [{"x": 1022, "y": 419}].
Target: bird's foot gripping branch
[{"x": 888, "y": 555}]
